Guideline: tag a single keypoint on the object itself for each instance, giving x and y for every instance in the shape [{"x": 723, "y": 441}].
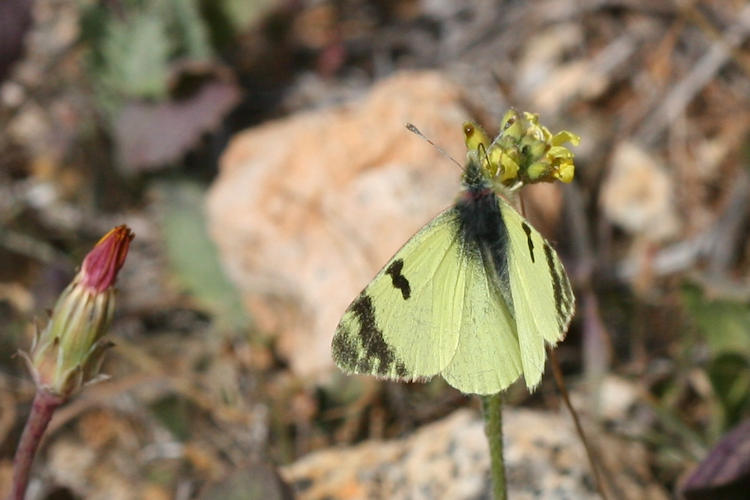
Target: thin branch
[{"x": 593, "y": 459}]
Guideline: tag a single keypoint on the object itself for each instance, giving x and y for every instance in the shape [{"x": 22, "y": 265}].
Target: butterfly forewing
[
  {"x": 487, "y": 359},
  {"x": 405, "y": 324}
]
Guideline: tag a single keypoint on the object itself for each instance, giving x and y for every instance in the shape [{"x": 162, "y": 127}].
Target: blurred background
[{"x": 258, "y": 151}]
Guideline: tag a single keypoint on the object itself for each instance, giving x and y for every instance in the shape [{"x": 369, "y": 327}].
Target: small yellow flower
[
  {"x": 561, "y": 160},
  {"x": 507, "y": 162}
]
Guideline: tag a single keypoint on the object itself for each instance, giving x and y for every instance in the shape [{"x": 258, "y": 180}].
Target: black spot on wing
[
  {"x": 398, "y": 280},
  {"x": 527, "y": 230},
  {"x": 358, "y": 352}
]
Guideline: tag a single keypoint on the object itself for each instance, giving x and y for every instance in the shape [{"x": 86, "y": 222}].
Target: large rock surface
[{"x": 449, "y": 459}]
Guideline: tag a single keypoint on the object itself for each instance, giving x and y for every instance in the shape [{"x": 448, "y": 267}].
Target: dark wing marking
[
  {"x": 398, "y": 280},
  {"x": 527, "y": 230},
  {"x": 371, "y": 341},
  {"x": 556, "y": 286}
]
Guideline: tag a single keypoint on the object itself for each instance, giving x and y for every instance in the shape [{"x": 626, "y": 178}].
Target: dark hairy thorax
[{"x": 484, "y": 233}]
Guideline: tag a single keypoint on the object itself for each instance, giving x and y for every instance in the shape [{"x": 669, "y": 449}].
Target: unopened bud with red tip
[{"x": 68, "y": 352}]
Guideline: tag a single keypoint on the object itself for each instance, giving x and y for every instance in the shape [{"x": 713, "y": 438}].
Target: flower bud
[{"x": 68, "y": 352}]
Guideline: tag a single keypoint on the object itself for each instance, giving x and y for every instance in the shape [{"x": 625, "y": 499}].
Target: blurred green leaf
[
  {"x": 730, "y": 376},
  {"x": 135, "y": 53},
  {"x": 226, "y": 19},
  {"x": 133, "y": 48},
  {"x": 193, "y": 256},
  {"x": 188, "y": 26},
  {"x": 173, "y": 412},
  {"x": 725, "y": 325},
  {"x": 243, "y": 13}
]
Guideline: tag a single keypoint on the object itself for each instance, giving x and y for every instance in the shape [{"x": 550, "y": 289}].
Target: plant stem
[
  {"x": 492, "y": 410},
  {"x": 42, "y": 408}
]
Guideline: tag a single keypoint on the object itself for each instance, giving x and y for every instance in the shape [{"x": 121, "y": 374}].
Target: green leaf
[
  {"x": 244, "y": 13},
  {"x": 174, "y": 413},
  {"x": 725, "y": 325},
  {"x": 188, "y": 27},
  {"x": 192, "y": 255},
  {"x": 135, "y": 54},
  {"x": 730, "y": 376}
]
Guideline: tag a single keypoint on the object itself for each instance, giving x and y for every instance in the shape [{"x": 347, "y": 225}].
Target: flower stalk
[
  {"x": 492, "y": 411},
  {"x": 524, "y": 152},
  {"x": 44, "y": 405}
]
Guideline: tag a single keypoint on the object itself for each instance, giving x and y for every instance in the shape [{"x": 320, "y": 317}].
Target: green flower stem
[
  {"x": 492, "y": 410},
  {"x": 44, "y": 405}
]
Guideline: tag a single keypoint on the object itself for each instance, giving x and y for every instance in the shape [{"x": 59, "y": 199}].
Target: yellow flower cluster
[{"x": 524, "y": 152}]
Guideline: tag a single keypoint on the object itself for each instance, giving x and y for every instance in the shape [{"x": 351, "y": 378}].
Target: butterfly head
[{"x": 475, "y": 175}]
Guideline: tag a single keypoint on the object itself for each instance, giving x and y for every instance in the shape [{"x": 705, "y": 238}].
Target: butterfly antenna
[{"x": 411, "y": 128}]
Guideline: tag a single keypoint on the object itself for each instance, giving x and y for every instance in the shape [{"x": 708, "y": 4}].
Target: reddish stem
[{"x": 42, "y": 408}]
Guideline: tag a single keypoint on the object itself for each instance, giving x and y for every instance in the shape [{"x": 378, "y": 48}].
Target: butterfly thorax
[{"x": 478, "y": 207}]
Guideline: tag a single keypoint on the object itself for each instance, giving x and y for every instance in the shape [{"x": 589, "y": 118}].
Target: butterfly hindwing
[
  {"x": 543, "y": 301},
  {"x": 487, "y": 359},
  {"x": 405, "y": 324}
]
